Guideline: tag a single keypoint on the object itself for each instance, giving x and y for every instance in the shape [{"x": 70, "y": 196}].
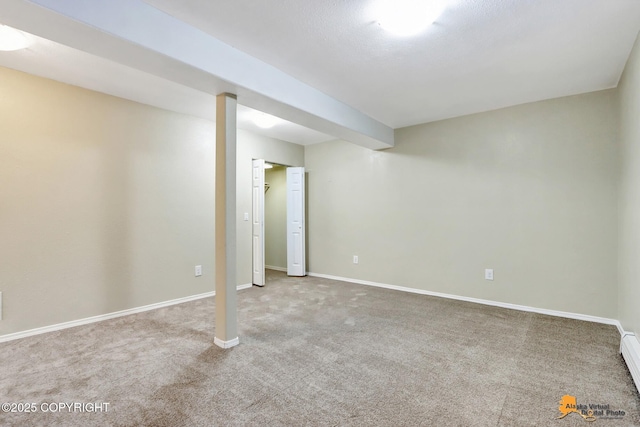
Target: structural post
[{"x": 226, "y": 328}]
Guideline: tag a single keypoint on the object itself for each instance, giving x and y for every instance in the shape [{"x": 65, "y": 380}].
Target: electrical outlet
[
  {"x": 488, "y": 274},
  {"x": 355, "y": 259},
  {"x": 198, "y": 270}
]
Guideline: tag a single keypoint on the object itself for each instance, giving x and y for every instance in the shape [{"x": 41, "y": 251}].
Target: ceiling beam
[{"x": 136, "y": 34}]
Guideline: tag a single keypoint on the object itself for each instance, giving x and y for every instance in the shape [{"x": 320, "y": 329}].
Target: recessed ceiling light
[
  {"x": 265, "y": 120},
  {"x": 408, "y": 17},
  {"x": 12, "y": 39}
]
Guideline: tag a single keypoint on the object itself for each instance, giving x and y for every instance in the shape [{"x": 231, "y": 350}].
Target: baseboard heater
[{"x": 630, "y": 349}]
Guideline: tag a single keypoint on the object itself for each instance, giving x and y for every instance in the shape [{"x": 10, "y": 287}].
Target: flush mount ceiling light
[
  {"x": 408, "y": 17},
  {"x": 12, "y": 39},
  {"x": 264, "y": 120}
]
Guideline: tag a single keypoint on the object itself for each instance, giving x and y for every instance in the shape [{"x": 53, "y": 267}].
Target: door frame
[{"x": 257, "y": 212}]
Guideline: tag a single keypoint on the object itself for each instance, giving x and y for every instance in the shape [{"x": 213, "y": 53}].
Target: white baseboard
[
  {"x": 273, "y": 267},
  {"x": 226, "y": 344},
  {"x": 101, "y": 317},
  {"x": 556, "y": 313},
  {"x": 630, "y": 350}
]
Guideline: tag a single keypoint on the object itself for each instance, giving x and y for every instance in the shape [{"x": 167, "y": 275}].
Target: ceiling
[
  {"x": 55, "y": 61},
  {"x": 479, "y": 55}
]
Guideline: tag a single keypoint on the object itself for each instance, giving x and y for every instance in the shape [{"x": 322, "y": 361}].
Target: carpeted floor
[{"x": 319, "y": 352}]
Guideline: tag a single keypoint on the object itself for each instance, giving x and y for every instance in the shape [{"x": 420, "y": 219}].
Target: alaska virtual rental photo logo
[{"x": 589, "y": 412}]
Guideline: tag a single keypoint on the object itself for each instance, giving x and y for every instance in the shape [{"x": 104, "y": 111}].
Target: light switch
[
  {"x": 246, "y": 216},
  {"x": 488, "y": 274}
]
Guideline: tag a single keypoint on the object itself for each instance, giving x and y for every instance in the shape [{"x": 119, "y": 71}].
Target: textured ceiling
[{"x": 479, "y": 55}]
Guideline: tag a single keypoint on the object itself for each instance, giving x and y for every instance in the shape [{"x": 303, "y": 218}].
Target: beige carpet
[{"x": 319, "y": 352}]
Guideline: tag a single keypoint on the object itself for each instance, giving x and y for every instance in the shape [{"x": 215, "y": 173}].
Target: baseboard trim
[
  {"x": 102, "y": 317},
  {"x": 273, "y": 267},
  {"x": 226, "y": 344},
  {"x": 568, "y": 315}
]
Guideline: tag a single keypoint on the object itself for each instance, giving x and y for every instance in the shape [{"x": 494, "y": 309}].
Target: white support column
[{"x": 226, "y": 334}]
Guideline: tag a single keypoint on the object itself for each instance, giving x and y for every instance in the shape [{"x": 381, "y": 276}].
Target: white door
[
  {"x": 296, "y": 265},
  {"x": 257, "y": 222}
]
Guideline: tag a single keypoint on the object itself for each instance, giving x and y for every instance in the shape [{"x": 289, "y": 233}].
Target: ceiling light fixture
[
  {"x": 268, "y": 166},
  {"x": 408, "y": 17},
  {"x": 12, "y": 39},
  {"x": 264, "y": 120}
]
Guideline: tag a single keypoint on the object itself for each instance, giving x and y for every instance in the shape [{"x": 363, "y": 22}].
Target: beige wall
[
  {"x": 275, "y": 218},
  {"x": 106, "y": 204},
  {"x": 629, "y": 94},
  {"x": 530, "y": 191}
]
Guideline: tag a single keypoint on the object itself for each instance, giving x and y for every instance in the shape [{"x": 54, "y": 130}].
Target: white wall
[
  {"x": 275, "y": 217},
  {"x": 107, "y": 204},
  {"x": 629, "y": 94},
  {"x": 530, "y": 191}
]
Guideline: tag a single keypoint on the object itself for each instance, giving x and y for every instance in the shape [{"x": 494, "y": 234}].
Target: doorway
[{"x": 278, "y": 220}]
